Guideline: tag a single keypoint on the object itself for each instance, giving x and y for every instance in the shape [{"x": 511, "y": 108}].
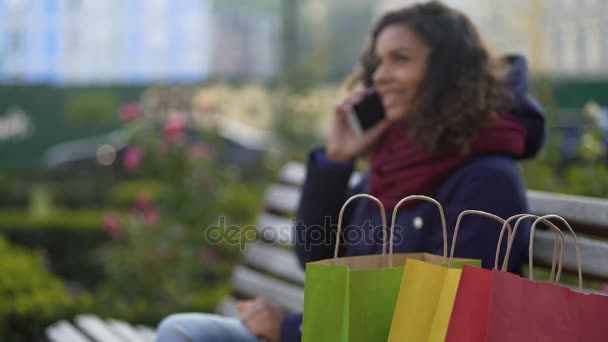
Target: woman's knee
[
  {"x": 168, "y": 322},
  {"x": 192, "y": 327},
  {"x": 174, "y": 328}
]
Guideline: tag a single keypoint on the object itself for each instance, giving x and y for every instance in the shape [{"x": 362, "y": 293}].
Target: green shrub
[
  {"x": 67, "y": 238},
  {"x": 587, "y": 176},
  {"x": 92, "y": 108},
  {"x": 162, "y": 221},
  {"x": 31, "y": 298},
  {"x": 107, "y": 302},
  {"x": 123, "y": 194}
]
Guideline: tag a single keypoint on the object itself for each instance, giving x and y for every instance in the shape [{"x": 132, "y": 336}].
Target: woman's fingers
[
  {"x": 373, "y": 134},
  {"x": 353, "y": 99}
]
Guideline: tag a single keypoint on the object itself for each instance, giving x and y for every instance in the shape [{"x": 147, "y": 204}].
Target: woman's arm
[{"x": 323, "y": 194}]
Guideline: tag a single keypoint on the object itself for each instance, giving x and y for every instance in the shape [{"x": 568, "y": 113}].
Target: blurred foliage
[
  {"x": 31, "y": 298},
  {"x": 92, "y": 108},
  {"x": 544, "y": 274},
  {"x": 250, "y": 105},
  {"x": 586, "y": 174},
  {"x": 301, "y": 120},
  {"x": 66, "y": 237},
  {"x": 74, "y": 220},
  {"x": 290, "y": 123},
  {"x": 183, "y": 192},
  {"x": 140, "y": 309},
  {"x": 123, "y": 194}
]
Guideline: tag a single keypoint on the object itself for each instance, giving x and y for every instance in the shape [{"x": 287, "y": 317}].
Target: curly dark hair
[{"x": 463, "y": 87}]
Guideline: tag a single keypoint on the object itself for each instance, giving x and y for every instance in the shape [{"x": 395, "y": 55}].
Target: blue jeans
[{"x": 200, "y": 327}]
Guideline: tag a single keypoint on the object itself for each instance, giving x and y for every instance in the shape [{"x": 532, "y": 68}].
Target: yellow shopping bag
[{"x": 427, "y": 293}]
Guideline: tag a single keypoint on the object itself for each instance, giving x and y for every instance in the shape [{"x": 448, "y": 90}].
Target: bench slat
[
  {"x": 147, "y": 334},
  {"x": 575, "y": 209},
  {"x": 63, "y": 331},
  {"x": 275, "y": 260},
  {"x": 293, "y": 173},
  {"x": 96, "y": 328},
  {"x": 282, "y": 198},
  {"x": 594, "y": 254},
  {"x": 275, "y": 229},
  {"x": 253, "y": 284},
  {"x": 125, "y": 331}
]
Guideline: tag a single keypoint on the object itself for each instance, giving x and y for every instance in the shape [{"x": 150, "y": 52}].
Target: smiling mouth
[{"x": 389, "y": 99}]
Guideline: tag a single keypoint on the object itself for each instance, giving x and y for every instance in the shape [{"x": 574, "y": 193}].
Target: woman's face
[{"x": 402, "y": 59}]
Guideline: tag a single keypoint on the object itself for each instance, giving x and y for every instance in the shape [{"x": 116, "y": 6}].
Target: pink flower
[
  {"x": 129, "y": 112},
  {"x": 112, "y": 226},
  {"x": 151, "y": 216},
  {"x": 175, "y": 127},
  {"x": 198, "y": 151},
  {"x": 144, "y": 208},
  {"x": 143, "y": 202},
  {"x": 132, "y": 158},
  {"x": 605, "y": 287}
]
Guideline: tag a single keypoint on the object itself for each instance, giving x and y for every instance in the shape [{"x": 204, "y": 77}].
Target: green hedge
[
  {"x": 31, "y": 298},
  {"x": 67, "y": 243},
  {"x": 68, "y": 239}
]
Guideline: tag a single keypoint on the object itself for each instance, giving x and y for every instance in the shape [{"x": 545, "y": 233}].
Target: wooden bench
[
  {"x": 90, "y": 328},
  {"x": 270, "y": 268}
]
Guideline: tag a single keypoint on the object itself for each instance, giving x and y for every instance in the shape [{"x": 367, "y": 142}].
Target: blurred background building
[
  {"x": 561, "y": 38},
  {"x": 131, "y": 41},
  {"x": 142, "y": 41}
]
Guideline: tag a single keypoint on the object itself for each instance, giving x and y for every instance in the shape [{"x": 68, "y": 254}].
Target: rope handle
[
  {"x": 443, "y": 224},
  {"x": 383, "y": 215}
]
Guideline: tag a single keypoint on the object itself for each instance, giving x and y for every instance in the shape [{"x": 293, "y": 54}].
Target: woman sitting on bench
[{"x": 454, "y": 126}]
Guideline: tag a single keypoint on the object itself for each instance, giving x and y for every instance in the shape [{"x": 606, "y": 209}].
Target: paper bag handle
[
  {"x": 578, "y": 251},
  {"x": 559, "y": 236},
  {"x": 481, "y": 213},
  {"x": 382, "y": 214},
  {"x": 443, "y": 225}
]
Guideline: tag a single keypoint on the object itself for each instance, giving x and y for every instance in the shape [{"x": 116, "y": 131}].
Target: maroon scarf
[{"x": 398, "y": 168}]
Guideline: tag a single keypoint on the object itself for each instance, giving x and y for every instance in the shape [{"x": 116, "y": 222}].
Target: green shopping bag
[{"x": 353, "y": 298}]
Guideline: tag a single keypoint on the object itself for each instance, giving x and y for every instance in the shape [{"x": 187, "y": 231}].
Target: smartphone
[{"x": 366, "y": 113}]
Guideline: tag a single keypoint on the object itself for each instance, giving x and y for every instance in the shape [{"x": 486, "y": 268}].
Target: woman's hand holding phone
[{"x": 343, "y": 143}]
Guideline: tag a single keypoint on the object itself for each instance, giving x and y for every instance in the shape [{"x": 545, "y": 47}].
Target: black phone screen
[{"x": 369, "y": 111}]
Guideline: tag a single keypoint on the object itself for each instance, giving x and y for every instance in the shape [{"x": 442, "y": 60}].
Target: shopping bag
[
  {"x": 526, "y": 310},
  {"x": 499, "y": 306},
  {"x": 353, "y": 298},
  {"x": 427, "y": 293},
  {"x": 469, "y": 319}
]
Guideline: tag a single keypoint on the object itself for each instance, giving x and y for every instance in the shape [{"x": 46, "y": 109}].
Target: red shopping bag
[
  {"x": 499, "y": 306},
  {"x": 524, "y": 310},
  {"x": 469, "y": 319}
]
